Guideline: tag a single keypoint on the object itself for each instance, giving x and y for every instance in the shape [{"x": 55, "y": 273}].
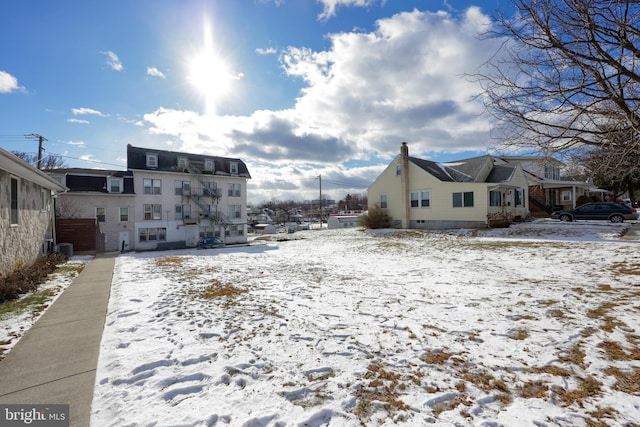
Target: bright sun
[{"x": 210, "y": 74}]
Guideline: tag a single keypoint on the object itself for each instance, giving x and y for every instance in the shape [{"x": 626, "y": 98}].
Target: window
[
  {"x": 152, "y": 160},
  {"x": 414, "y": 199},
  {"x": 152, "y": 212},
  {"x": 234, "y": 190},
  {"x": 152, "y": 234},
  {"x": 14, "y": 201},
  {"x": 495, "y": 198},
  {"x": 183, "y": 211},
  {"x": 566, "y": 196},
  {"x": 114, "y": 186},
  {"x": 124, "y": 214},
  {"x": 234, "y": 230},
  {"x": 183, "y": 162},
  {"x": 383, "y": 201},
  {"x": 209, "y": 189},
  {"x": 235, "y": 211},
  {"x": 209, "y": 231},
  {"x": 463, "y": 200},
  {"x": 519, "y": 194},
  {"x": 208, "y": 165},
  {"x": 151, "y": 186},
  {"x": 551, "y": 172},
  {"x": 183, "y": 188},
  {"x": 45, "y": 206},
  {"x": 233, "y": 168},
  {"x": 398, "y": 169},
  {"x": 101, "y": 214}
]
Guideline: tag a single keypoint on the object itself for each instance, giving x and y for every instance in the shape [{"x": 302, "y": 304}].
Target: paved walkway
[{"x": 55, "y": 361}]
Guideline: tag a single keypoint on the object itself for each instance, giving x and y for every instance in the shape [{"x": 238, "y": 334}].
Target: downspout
[{"x": 404, "y": 184}]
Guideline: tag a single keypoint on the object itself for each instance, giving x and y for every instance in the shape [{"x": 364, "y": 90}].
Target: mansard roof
[{"x": 168, "y": 162}]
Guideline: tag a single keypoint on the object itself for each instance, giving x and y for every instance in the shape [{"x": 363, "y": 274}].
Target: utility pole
[
  {"x": 320, "y": 179},
  {"x": 41, "y": 139}
]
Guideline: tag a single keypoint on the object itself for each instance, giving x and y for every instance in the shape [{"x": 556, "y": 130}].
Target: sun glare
[{"x": 210, "y": 74}]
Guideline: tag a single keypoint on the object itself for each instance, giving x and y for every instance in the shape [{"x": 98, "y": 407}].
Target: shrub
[
  {"x": 583, "y": 199},
  {"x": 28, "y": 278},
  {"x": 376, "y": 217}
]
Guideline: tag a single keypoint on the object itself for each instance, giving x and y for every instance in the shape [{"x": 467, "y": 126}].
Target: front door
[{"x": 123, "y": 241}]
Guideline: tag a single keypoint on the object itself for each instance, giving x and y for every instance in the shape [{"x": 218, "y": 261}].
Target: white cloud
[
  {"x": 79, "y": 144},
  {"x": 153, "y": 71},
  {"x": 362, "y": 97},
  {"x": 330, "y": 6},
  {"x": 84, "y": 122},
  {"x": 8, "y": 83},
  {"x": 113, "y": 61},
  {"x": 266, "y": 51},
  {"x": 87, "y": 111}
]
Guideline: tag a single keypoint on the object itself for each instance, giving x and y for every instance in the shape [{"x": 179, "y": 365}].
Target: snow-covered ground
[{"x": 535, "y": 325}]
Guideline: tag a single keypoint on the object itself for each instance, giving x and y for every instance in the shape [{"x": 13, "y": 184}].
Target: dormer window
[
  {"x": 183, "y": 162},
  {"x": 208, "y": 165},
  {"x": 233, "y": 168},
  {"x": 115, "y": 186},
  {"x": 152, "y": 160}
]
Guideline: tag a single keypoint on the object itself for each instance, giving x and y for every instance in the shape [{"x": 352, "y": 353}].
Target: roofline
[{"x": 16, "y": 166}]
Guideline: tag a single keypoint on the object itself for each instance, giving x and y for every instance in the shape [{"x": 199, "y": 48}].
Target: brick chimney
[{"x": 404, "y": 184}]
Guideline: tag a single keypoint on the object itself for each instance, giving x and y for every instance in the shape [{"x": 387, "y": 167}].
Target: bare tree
[
  {"x": 566, "y": 69},
  {"x": 52, "y": 161}
]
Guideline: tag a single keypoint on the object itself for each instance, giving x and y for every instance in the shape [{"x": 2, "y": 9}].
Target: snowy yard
[{"x": 538, "y": 325}]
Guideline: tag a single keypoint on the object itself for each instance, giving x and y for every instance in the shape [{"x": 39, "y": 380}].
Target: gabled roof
[
  {"x": 168, "y": 162},
  {"x": 466, "y": 170},
  {"x": 440, "y": 171}
]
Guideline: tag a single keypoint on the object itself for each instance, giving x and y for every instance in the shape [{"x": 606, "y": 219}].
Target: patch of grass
[
  {"x": 587, "y": 387},
  {"x": 551, "y": 370},
  {"x": 217, "y": 289},
  {"x": 555, "y": 313},
  {"x": 534, "y": 390},
  {"x": 27, "y": 278},
  {"x": 170, "y": 261},
  {"x": 573, "y": 355},
  {"x": 383, "y": 389},
  {"x": 436, "y": 357},
  {"x": 518, "y": 334},
  {"x": 35, "y": 303},
  {"x": 627, "y": 381},
  {"x": 624, "y": 267}
]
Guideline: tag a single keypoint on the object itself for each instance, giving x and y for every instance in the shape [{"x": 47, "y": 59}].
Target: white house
[
  {"x": 182, "y": 197},
  {"x": 419, "y": 193}
]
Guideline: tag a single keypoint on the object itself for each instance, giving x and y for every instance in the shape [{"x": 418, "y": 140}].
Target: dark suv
[{"x": 614, "y": 212}]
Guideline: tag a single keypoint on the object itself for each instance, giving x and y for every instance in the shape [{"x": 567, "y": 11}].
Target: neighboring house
[
  {"x": 336, "y": 221},
  {"x": 419, "y": 193},
  {"x": 105, "y": 195},
  {"x": 26, "y": 213},
  {"x": 183, "y": 197},
  {"x": 548, "y": 189}
]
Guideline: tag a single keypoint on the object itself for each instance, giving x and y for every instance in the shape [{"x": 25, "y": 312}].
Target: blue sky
[{"x": 296, "y": 88}]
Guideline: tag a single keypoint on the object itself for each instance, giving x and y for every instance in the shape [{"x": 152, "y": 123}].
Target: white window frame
[
  {"x": 384, "y": 201},
  {"x": 152, "y": 160},
  {"x": 152, "y": 212},
  {"x": 182, "y": 188},
  {"x": 119, "y": 183},
  {"x": 183, "y": 212},
  {"x": 123, "y": 211},
  {"x": 183, "y": 162},
  {"x": 159, "y": 234},
  {"x": 234, "y": 190},
  {"x": 233, "y": 168},
  {"x": 235, "y": 211},
  {"x": 103, "y": 215},
  {"x": 567, "y": 195},
  {"x": 151, "y": 188},
  {"x": 208, "y": 165},
  {"x": 462, "y": 199}
]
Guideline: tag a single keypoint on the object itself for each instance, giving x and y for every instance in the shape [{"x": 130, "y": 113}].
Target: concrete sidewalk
[{"x": 55, "y": 361}]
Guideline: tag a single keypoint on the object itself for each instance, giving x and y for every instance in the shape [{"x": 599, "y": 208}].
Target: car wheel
[
  {"x": 565, "y": 218},
  {"x": 616, "y": 218}
]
